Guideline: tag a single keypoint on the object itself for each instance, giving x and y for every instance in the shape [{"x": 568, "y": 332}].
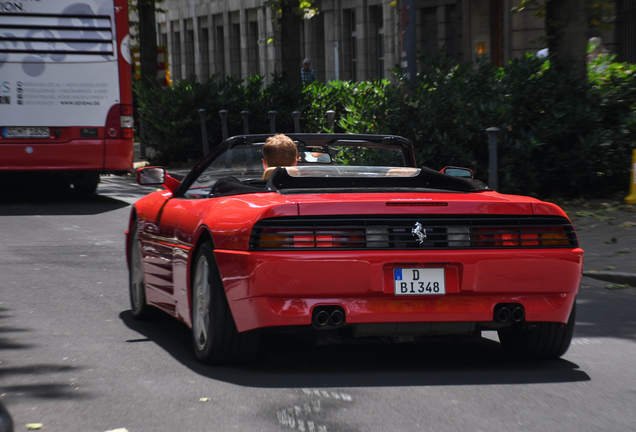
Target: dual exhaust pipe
[
  {"x": 512, "y": 312},
  {"x": 331, "y": 317},
  {"x": 328, "y": 317}
]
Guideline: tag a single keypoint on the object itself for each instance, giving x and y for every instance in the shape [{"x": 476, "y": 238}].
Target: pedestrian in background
[{"x": 307, "y": 75}]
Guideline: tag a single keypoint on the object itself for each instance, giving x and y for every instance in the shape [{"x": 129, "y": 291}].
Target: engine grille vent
[{"x": 413, "y": 232}]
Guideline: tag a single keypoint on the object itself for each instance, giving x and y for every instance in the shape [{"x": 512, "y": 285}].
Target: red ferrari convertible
[{"x": 355, "y": 241}]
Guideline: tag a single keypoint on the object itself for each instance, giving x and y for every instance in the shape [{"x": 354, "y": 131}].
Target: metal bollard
[
  {"x": 296, "y": 116},
  {"x": 223, "y": 114},
  {"x": 493, "y": 137},
  {"x": 246, "y": 125},
  {"x": 204, "y": 133},
  {"x": 272, "y": 121},
  {"x": 330, "y": 119}
]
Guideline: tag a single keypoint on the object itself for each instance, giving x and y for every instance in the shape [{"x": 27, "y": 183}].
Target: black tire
[
  {"x": 56, "y": 185},
  {"x": 86, "y": 183},
  {"x": 136, "y": 285},
  {"x": 214, "y": 334},
  {"x": 540, "y": 340}
]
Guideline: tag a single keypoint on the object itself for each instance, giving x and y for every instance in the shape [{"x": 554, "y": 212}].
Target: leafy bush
[
  {"x": 171, "y": 120},
  {"x": 557, "y": 136}
]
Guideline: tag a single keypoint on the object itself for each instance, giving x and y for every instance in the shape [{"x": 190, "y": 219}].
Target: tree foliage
[
  {"x": 146, "y": 37},
  {"x": 567, "y": 23},
  {"x": 559, "y": 136},
  {"x": 287, "y": 30}
]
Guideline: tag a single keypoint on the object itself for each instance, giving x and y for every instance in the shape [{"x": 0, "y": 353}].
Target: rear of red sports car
[
  {"x": 360, "y": 254},
  {"x": 400, "y": 255},
  {"x": 357, "y": 262}
]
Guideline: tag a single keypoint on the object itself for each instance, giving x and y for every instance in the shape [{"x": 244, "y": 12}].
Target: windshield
[
  {"x": 321, "y": 156},
  {"x": 351, "y": 171}
]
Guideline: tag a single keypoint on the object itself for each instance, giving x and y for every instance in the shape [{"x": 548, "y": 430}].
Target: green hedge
[
  {"x": 557, "y": 137},
  {"x": 171, "y": 121}
]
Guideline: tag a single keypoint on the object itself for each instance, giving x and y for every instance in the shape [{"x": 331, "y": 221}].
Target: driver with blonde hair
[{"x": 279, "y": 150}]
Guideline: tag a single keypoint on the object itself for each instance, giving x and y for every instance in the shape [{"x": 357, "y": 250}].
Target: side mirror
[
  {"x": 458, "y": 172},
  {"x": 151, "y": 176}
]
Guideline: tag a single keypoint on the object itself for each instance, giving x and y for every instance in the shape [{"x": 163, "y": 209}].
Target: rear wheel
[
  {"x": 138, "y": 306},
  {"x": 86, "y": 183},
  {"x": 540, "y": 340},
  {"x": 214, "y": 334}
]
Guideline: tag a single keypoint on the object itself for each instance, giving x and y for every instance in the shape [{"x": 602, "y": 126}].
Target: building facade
[{"x": 358, "y": 39}]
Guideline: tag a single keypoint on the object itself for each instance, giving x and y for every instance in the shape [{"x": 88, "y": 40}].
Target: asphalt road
[{"x": 73, "y": 359}]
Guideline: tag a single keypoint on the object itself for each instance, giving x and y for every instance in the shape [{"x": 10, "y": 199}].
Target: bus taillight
[{"x": 127, "y": 122}]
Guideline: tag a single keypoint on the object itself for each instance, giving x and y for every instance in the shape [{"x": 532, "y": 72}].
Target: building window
[
  {"x": 428, "y": 34},
  {"x": 627, "y": 31},
  {"x": 204, "y": 46},
  {"x": 377, "y": 48},
  {"x": 176, "y": 55},
  {"x": 350, "y": 59},
  {"x": 252, "y": 47},
  {"x": 451, "y": 32},
  {"x": 354, "y": 54},
  {"x": 219, "y": 51},
  {"x": 189, "y": 53},
  {"x": 235, "y": 58}
]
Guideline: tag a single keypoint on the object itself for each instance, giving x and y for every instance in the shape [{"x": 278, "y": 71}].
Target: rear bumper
[
  {"x": 75, "y": 155},
  {"x": 268, "y": 289}
]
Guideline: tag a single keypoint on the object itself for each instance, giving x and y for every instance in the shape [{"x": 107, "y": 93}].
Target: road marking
[
  {"x": 325, "y": 394},
  {"x": 297, "y": 417}
]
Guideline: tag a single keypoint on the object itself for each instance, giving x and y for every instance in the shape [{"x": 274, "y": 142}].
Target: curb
[{"x": 614, "y": 277}]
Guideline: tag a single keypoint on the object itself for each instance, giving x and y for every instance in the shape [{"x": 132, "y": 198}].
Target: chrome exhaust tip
[
  {"x": 337, "y": 317},
  {"x": 503, "y": 314},
  {"x": 518, "y": 314},
  {"x": 322, "y": 318}
]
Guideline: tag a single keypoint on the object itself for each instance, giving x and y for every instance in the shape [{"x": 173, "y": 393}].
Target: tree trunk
[
  {"x": 290, "y": 41},
  {"x": 147, "y": 41},
  {"x": 566, "y": 24}
]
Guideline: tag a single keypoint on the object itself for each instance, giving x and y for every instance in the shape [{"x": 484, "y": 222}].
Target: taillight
[
  {"x": 485, "y": 237},
  {"x": 272, "y": 238},
  {"x": 522, "y": 236},
  {"x": 127, "y": 121},
  {"x": 120, "y": 122},
  {"x": 558, "y": 237},
  {"x": 126, "y": 110}
]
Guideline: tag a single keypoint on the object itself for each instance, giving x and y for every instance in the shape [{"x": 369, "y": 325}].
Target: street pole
[
  {"x": 408, "y": 40},
  {"x": 204, "y": 133}
]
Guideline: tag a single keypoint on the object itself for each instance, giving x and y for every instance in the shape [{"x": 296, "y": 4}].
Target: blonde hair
[{"x": 280, "y": 150}]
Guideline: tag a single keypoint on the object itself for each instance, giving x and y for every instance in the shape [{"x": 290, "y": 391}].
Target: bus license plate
[
  {"x": 26, "y": 132},
  {"x": 419, "y": 281}
]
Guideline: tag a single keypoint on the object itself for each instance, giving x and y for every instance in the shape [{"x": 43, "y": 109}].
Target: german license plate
[
  {"x": 25, "y": 132},
  {"x": 419, "y": 281}
]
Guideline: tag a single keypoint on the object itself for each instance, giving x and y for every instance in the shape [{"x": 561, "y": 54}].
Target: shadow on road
[
  {"x": 6, "y": 341},
  {"x": 69, "y": 204},
  {"x": 289, "y": 362},
  {"x": 34, "y": 380}
]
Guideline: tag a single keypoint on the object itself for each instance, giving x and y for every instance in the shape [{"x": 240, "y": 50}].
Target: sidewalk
[{"x": 607, "y": 233}]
